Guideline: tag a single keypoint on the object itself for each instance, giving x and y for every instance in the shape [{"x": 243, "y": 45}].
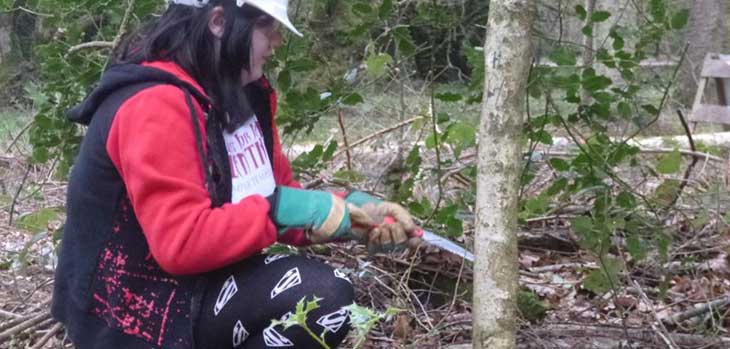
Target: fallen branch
[
  {"x": 90, "y": 44},
  {"x": 377, "y": 134},
  {"x": 52, "y": 332},
  {"x": 36, "y": 319},
  {"x": 694, "y": 312},
  {"x": 612, "y": 335},
  {"x": 9, "y": 315}
]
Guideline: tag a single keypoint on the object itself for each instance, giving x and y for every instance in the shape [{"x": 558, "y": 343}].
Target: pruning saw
[{"x": 433, "y": 239}]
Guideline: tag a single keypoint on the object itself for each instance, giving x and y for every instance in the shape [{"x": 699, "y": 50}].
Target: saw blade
[{"x": 447, "y": 245}]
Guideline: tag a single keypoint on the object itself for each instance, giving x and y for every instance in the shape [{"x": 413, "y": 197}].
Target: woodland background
[{"x": 624, "y": 224}]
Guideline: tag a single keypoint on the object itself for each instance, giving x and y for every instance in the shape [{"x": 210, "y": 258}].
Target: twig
[
  {"x": 9, "y": 315},
  {"x": 377, "y": 134},
  {"x": 344, "y": 138},
  {"x": 665, "y": 96},
  {"x": 437, "y": 148},
  {"x": 17, "y": 137},
  {"x": 25, "y": 325},
  {"x": 17, "y": 194},
  {"x": 557, "y": 267},
  {"x": 664, "y": 334},
  {"x": 691, "y": 166},
  {"x": 122, "y": 29},
  {"x": 90, "y": 44},
  {"x": 55, "y": 329},
  {"x": 688, "y": 314}
]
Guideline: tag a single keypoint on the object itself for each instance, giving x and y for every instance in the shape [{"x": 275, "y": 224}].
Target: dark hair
[{"x": 181, "y": 35}]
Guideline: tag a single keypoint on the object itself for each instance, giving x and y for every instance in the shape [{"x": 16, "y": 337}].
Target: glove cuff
[{"x": 360, "y": 199}]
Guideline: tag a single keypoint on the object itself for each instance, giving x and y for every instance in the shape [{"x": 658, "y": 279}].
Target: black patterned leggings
[{"x": 241, "y": 300}]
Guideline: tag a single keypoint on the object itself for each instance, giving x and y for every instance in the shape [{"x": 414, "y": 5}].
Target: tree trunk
[
  {"x": 707, "y": 32},
  {"x": 507, "y": 62}
]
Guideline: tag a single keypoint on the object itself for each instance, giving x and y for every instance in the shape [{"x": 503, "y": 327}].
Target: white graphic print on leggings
[
  {"x": 341, "y": 275},
  {"x": 290, "y": 279},
  {"x": 274, "y": 257},
  {"x": 239, "y": 334},
  {"x": 227, "y": 292},
  {"x": 334, "y": 321},
  {"x": 272, "y": 338}
]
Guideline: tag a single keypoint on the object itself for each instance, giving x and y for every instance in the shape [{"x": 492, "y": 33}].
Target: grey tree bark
[
  {"x": 708, "y": 31},
  {"x": 507, "y": 61}
]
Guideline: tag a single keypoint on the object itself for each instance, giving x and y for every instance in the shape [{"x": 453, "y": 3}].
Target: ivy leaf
[
  {"x": 600, "y": 16},
  {"x": 670, "y": 163},
  {"x": 559, "y": 164},
  {"x": 581, "y": 12},
  {"x": 377, "y": 64}
]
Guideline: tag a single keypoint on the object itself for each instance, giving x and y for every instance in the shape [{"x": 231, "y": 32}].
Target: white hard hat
[{"x": 274, "y": 8}]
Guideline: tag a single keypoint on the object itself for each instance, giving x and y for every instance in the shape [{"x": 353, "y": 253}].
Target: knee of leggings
[{"x": 334, "y": 286}]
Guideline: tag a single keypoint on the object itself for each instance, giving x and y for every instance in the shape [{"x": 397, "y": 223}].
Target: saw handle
[{"x": 418, "y": 233}]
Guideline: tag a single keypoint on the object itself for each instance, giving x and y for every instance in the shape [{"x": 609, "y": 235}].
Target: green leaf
[
  {"x": 670, "y": 163},
  {"x": 599, "y": 281},
  {"x": 461, "y": 135},
  {"x": 542, "y": 136},
  {"x": 587, "y": 30},
  {"x": 352, "y": 99},
  {"x": 600, "y": 16},
  {"x": 349, "y": 176},
  {"x": 557, "y": 187},
  {"x": 666, "y": 192},
  {"x": 582, "y": 225},
  {"x": 626, "y": 200},
  {"x": 658, "y": 10},
  {"x": 530, "y": 306},
  {"x": 559, "y": 164},
  {"x": 680, "y": 19},
  {"x": 284, "y": 80},
  {"x": 624, "y": 109},
  {"x": 37, "y": 222},
  {"x": 563, "y": 56},
  {"x": 637, "y": 247},
  {"x": 386, "y": 8},
  {"x": 362, "y": 9},
  {"x": 581, "y": 12},
  {"x": 404, "y": 41},
  {"x": 377, "y": 64},
  {"x": 596, "y": 83},
  {"x": 449, "y": 97}
]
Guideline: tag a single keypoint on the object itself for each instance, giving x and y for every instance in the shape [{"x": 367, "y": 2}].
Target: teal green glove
[
  {"x": 359, "y": 199},
  {"x": 324, "y": 215}
]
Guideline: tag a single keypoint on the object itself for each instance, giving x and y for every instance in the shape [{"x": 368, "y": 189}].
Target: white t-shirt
[{"x": 251, "y": 170}]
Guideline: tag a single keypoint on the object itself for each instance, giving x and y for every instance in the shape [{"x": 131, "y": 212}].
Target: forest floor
[{"x": 682, "y": 302}]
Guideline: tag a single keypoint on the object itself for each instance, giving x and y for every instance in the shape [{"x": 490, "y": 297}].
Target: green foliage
[
  {"x": 530, "y": 306},
  {"x": 616, "y": 208},
  {"x": 299, "y": 318},
  {"x": 36, "y": 222},
  {"x": 363, "y": 319},
  {"x": 605, "y": 278}
]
